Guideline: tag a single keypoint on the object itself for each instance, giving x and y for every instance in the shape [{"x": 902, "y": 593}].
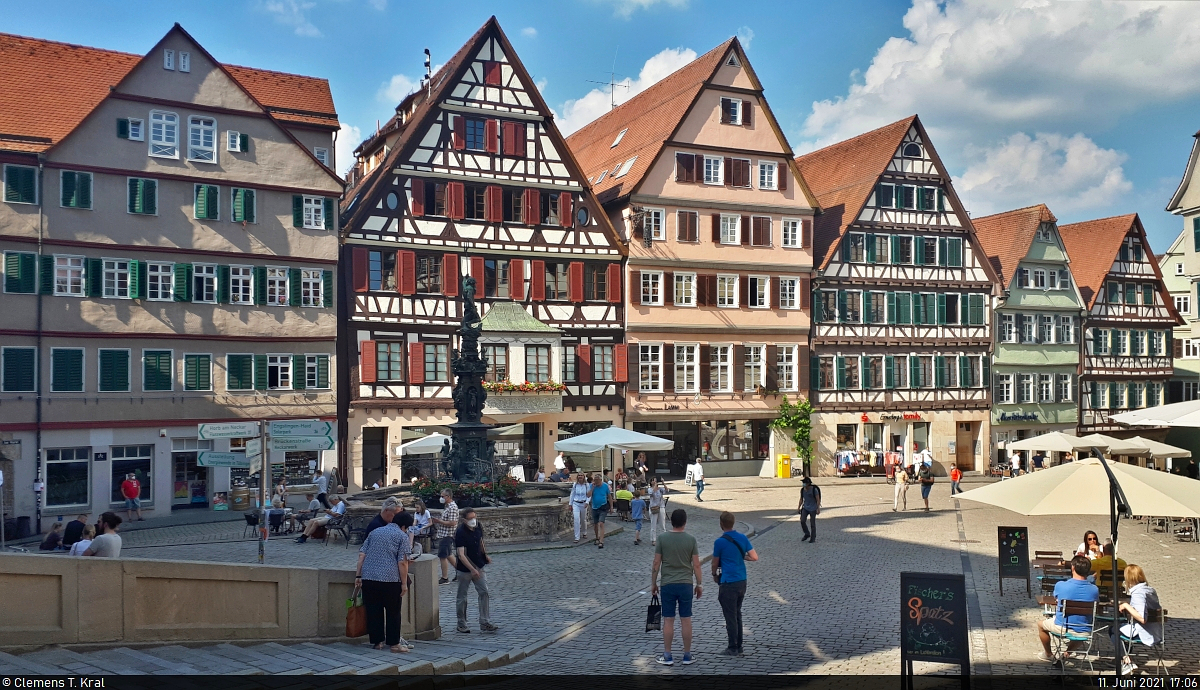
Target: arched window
[{"x": 912, "y": 151}]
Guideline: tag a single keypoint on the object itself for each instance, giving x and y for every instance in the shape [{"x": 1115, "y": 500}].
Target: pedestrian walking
[
  {"x": 925, "y": 476},
  {"x": 698, "y": 479},
  {"x": 678, "y": 557},
  {"x": 382, "y": 576},
  {"x": 903, "y": 479},
  {"x": 637, "y": 510},
  {"x": 472, "y": 557},
  {"x": 730, "y": 553},
  {"x": 131, "y": 490},
  {"x": 955, "y": 478},
  {"x": 322, "y": 483},
  {"x": 658, "y": 509},
  {"x": 447, "y": 524},
  {"x": 579, "y": 505},
  {"x": 600, "y": 495},
  {"x": 107, "y": 544},
  {"x": 809, "y": 509}
]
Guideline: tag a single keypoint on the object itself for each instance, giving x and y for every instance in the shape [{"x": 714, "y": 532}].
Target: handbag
[
  {"x": 356, "y": 615},
  {"x": 654, "y": 614}
]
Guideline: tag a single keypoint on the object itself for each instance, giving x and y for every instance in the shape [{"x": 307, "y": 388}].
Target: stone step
[
  {"x": 202, "y": 659},
  {"x": 73, "y": 661},
  {"x": 112, "y": 660},
  {"x": 267, "y": 663},
  {"x": 319, "y": 663},
  {"x": 388, "y": 656},
  {"x": 31, "y": 665},
  {"x": 365, "y": 664},
  {"x": 174, "y": 667}
]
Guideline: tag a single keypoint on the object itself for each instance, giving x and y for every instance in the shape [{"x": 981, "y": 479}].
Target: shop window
[
  {"x": 847, "y": 436},
  {"x": 67, "y": 476}
]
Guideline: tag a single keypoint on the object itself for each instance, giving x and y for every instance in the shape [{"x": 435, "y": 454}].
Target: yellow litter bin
[{"x": 783, "y": 466}]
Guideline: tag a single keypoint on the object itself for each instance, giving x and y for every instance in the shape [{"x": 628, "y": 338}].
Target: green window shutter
[
  {"x": 841, "y": 315},
  {"x": 987, "y": 371},
  {"x": 135, "y": 195},
  {"x": 892, "y": 256},
  {"x": 297, "y": 211},
  {"x": 156, "y": 370},
  {"x": 327, "y": 288},
  {"x": 95, "y": 277},
  {"x": 939, "y": 369},
  {"x": 260, "y": 284},
  {"x": 137, "y": 279},
  {"x": 223, "y": 284},
  {"x": 83, "y": 181},
  {"x": 114, "y": 370},
  {"x": 197, "y": 373},
  {"x": 941, "y": 194},
  {"x": 294, "y": 287},
  {"x": 914, "y": 372},
  {"x": 870, "y": 248},
  {"x": 201, "y": 201},
  {"x": 122, "y": 128},
  {"x": 239, "y": 372},
  {"x": 20, "y": 184},
  {"x": 47, "y": 275},
  {"x": 190, "y": 372},
  {"x": 183, "y": 283},
  {"x": 918, "y": 250},
  {"x": 299, "y": 372},
  {"x": 213, "y": 204},
  {"x": 1196, "y": 234},
  {"x": 236, "y": 207},
  {"x": 260, "y": 372},
  {"x": 18, "y": 272},
  {"x": 903, "y": 308},
  {"x": 19, "y": 370},
  {"x": 322, "y": 371},
  {"x": 891, "y": 308},
  {"x": 956, "y": 252},
  {"x": 840, "y": 366},
  {"x": 918, "y": 309},
  {"x": 942, "y": 252},
  {"x": 889, "y": 371},
  {"x": 243, "y": 143},
  {"x": 964, "y": 370},
  {"x": 66, "y": 370},
  {"x": 814, "y": 372},
  {"x": 248, "y": 195},
  {"x": 67, "y": 195},
  {"x": 975, "y": 309},
  {"x": 941, "y": 309},
  {"x": 29, "y": 273},
  {"x": 329, "y": 213},
  {"x": 150, "y": 197}
]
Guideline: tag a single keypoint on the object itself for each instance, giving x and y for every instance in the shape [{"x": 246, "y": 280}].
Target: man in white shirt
[
  {"x": 338, "y": 510},
  {"x": 1015, "y": 459},
  {"x": 698, "y": 479},
  {"x": 560, "y": 463},
  {"x": 322, "y": 483}
]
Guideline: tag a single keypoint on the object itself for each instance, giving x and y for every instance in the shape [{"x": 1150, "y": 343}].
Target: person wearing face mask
[
  {"x": 446, "y": 525},
  {"x": 579, "y": 501},
  {"x": 472, "y": 557}
]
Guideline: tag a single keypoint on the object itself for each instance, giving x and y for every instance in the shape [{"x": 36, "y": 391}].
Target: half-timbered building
[
  {"x": 472, "y": 178},
  {"x": 1127, "y": 361},
  {"x": 901, "y": 305},
  {"x": 697, "y": 173}
]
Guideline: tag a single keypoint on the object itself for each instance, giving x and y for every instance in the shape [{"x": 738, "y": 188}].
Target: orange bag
[{"x": 356, "y": 615}]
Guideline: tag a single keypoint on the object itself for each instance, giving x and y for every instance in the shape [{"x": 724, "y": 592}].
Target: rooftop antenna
[{"x": 612, "y": 82}]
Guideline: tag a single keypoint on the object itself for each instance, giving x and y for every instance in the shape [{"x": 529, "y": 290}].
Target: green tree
[{"x": 797, "y": 418}]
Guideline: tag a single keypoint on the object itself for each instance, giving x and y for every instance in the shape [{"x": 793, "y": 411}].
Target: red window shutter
[
  {"x": 491, "y": 136},
  {"x": 359, "y": 258},
  {"x": 621, "y": 362},
  {"x": 583, "y": 363},
  {"x": 494, "y": 204},
  {"x": 745, "y": 230},
  {"x": 533, "y": 207},
  {"x": 782, "y": 173},
  {"x": 635, "y": 287},
  {"x": 450, "y": 275},
  {"x": 729, "y": 173},
  {"x": 416, "y": 363},
  {"x": 614, "y": 283},
  {"x": 418, "y": 197},
  {"x": 716, "y": 228},
  {"x": 566, "y": 210},
  {"x": 506, "y": 138},
  {"x": 408, "y": 273},
  {"x": 806, "y": 233},
  {"x": 537, "y": 280},
  {"x": 491, "y": 73},
  {"x": 747, "y": 113},
  {"x": 516, "y": 279},
  {"x": 575, "y": 281},
  {"x": 477, "y": 272},
  {"x": 520, "y": 140},
  {"x": 367, "y": 371},
  {"x": 455, "y": 200},
  {"x": 459, "y": 138}
]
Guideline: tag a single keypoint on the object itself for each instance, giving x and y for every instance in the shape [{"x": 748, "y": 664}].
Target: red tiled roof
[
  {"x": 1006, "y": 236},
  {"x": 651, "y": 117},
  {"x": 1092, "y": 247},
  {"x": 47, "y": 88},
  {"x": 842, "y": 177}
]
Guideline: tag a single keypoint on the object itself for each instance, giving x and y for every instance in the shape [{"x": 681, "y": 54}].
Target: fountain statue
[{"x": 471, "y": 455}]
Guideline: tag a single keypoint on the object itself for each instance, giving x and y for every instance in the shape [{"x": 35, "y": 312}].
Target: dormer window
[
  {"x": 1044, "y": 234},
  {"x": 620, "y": 136},
  {"x": 911, "y": 151}
]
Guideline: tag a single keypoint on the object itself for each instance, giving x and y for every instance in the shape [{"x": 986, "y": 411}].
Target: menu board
[
  {"x": 1013, "y": 544},
  {"x": 933, "y": 620}
]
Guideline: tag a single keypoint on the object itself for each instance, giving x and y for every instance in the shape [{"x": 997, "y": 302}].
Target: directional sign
[
  {"x": 302, "y": 443},
  {"x": 253, "y": 447},
  {"x": 299, "y": 427},
  {"x": 208, "y": 459},
  {"x": 227, "y": 430}
]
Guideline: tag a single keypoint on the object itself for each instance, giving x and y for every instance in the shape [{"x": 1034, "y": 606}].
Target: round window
[
  {"x": 392, "y": 200},
  {"x": 582, "y": 216}
]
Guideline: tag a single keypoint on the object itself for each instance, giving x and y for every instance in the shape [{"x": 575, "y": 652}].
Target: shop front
[
  {"x": 1009, "y": 425},
  {"x": 730, "y": 447},
  {"x": 867, "y": 442}
]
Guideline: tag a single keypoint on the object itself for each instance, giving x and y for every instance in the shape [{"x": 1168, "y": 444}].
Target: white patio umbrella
[
  {"x": 429, "y": 444},
  {"x": 1055, "y": 441},
  {"x": 1186, "y": 414},
  {"x": 1161, "y": 450},
  {"x": 613, "y": 437},
  {"x": 1116, "y": 446}
]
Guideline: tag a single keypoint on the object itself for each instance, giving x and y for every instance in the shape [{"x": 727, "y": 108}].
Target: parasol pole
[{"x": 1117, "y": 504}]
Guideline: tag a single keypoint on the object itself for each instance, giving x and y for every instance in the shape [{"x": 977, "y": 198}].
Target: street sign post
[
  {"x": 207, "y": 432},
  {"x": 210, "y": 459},
  {"x": 253, "y": 447},
  {"x": 299, "y": 427},
  {"x": 302, "y": 443}
]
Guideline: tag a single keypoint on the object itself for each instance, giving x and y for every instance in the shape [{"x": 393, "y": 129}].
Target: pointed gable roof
[
  {"x": 843, "y": 175},
  {"x": 1092, "y": 246},
  {"x": 1006, "y": 236},
  {"x": 47, "y": 88}
]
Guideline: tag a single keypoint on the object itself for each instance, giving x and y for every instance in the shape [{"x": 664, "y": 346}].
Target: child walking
[{"x": 637, "y": 511}]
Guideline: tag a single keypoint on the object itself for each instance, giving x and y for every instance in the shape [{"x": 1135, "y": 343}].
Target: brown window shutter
[
  {"x": 416, "y": 363},
  {"x": 566, "y": 210},
  {"x": 705, "y": 368},
  {"x": 668, "y": 367},
  {"x": 491, "y": 73},
  {"x": 477, "y": 266},
  {"x": 621, "y": 362},
  {"x": 716, "y": 228},
  {"x": 725, "y": 111},
  {"x": 743, "y": 291},
  {"x": 516, "y": 279},
  {"x": 702, "y": 297},
  {"x": 668, "y": 287},
  {"x": 772, "y": 378},
  {"x": 803, "y": 368},
  {"x": 774, "y": 291},
  {"x": 729, "y": 173},
  {"x": 450, "y": 275},
  {"x": 533, "y": 207},
  {"x": 806, "y": 233},
  {"x": 418, "y": 197},
  {"x": 739, "y": 368},
  {"x": 782, "y": 173},
  {"x": 685, "y": 167},
  {"x": 583, "y": 363},
  {"x": 802, "y": 297},
  {"x": 745, "y": 230},
  {"x": 537, "y": 280},
  {"x": 747, "y": 113},
  {"x": 367, "y": 369},
  {"x": 635, "y": 287},
  {"x": 359, "y": 262},
  {"x": 494, "y": 204},
  {"x": 408, "y": 273},
  {"x": 575, "y": 281},
  {"x": 491, "y": 136},
  {"x": 506, "y": 138},
  {"x": 459, "y": 135},
  {"x": 613, "y": 284}
]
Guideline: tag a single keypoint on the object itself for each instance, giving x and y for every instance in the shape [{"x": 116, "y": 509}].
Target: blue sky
[{"x": 1086, "y": 106}]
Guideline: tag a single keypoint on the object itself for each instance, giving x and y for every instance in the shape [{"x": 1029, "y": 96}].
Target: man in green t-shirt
[{"x": 677, "y": 555}]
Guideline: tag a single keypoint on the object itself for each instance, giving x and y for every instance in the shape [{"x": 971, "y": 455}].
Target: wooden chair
[
  {"x": 341, "y": 525},
  {"x": 1077, "y": 634},
  {"x": 1156, "y": 650}
]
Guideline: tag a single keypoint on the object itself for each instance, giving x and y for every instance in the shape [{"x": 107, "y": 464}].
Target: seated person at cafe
[
  {"x": 297, "y": 519},
  {"x": 623, "y": 494},
  {"x": 1075, "y": 589},
  {"x": 338, "y": 510},
  {"x": 1103, "y": 564}
]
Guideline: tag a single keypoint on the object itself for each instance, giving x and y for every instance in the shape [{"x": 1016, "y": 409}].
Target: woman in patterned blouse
[{"x": 383, "y": 577}]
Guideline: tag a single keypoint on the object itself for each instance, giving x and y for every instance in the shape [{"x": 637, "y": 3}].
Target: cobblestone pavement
[{"x": 828, "y": 607}]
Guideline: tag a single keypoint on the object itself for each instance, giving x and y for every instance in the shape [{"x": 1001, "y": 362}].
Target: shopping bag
[
  {"x": 356, "y": 615},
  {"x": 654, "y": 615}
]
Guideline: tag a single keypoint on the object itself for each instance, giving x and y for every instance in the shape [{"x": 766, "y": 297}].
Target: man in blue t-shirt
[
  {"x": 1076, "y": 589},
  {"x": 730, "y": 553},
  {"x": 601, "y": 501}
]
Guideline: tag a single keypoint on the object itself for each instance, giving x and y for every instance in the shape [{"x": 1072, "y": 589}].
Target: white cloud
[
  {"x": 745, "y": 34},
  {"x": 293, "y": 13},
  {"x": 396, "y": 89},
  {"x": 626, "y": 8},
  {"x": 529, "y": 32},
  {"x": 580, "y": 111},
  {"x": 1066, "y": 173},
  {"x": 348, "y": 139}
]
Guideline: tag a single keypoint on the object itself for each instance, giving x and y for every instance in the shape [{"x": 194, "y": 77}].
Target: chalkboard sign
[
  {"x": 1013, "y": 544},
  {"x": 933, "y": 620}
]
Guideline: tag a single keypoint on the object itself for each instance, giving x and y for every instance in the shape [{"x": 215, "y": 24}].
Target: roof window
[
  {"x": 600, "y": 178},
  {"x": 619, "y": 138},
  {"x": 625, "y": 167}
]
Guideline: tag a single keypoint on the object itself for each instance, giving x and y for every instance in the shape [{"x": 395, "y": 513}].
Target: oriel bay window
[
  {"x": 650, "y": 368},
  {"x": 537, "y": 363},
  {"x": 721, "y": 368},
  {"x": 497, "y": 362}
]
